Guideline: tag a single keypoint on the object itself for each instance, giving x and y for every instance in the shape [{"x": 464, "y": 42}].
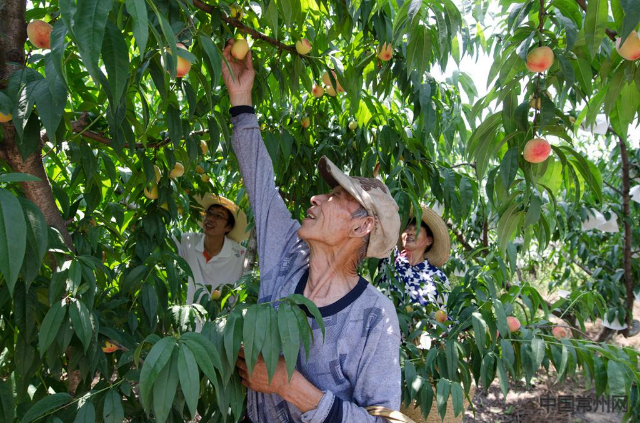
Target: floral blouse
[{"x": 420, "y": 281}]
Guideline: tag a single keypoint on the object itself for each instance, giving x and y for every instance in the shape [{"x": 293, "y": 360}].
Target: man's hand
[
  {"x": 300, "y": 392},
  {"x": 238, "y": 76}
]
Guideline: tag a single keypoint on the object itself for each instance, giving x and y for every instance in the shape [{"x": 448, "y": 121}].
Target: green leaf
[
  {"x": 480, "y": 330},
  {"x": 13, "y": 237},
  {"x": 80, "y": 317},
  {"x": 442, "y": 395},
  {"x": 18, "y": 177},
  {"x": 115, "y": 55},
  {"x": 37, "y": 239},
  {"x": 205, "y": 352},
  {"x": 311, "y": 307},
  {"x": 215, "y": 59},
  {"x": 254, "y": 332},
  {"x": 89, "y": 24},
  {"x": 156, "y": 360},
  {"x": 509, "y": 166},
  {"x": 113, "y": 411},
  {"x": 271, "y": 347},
  {"x": 46, "y": 405},
  {"x": 75, "y": 276},
  {"x": 138, "y": 11},
  {"x": 631, "y": 17},
  {"x": 537, "y": 348},
  {"x": 503, "y": 378},
  {"x": 457, "y": 396},
  {"x": 233, "y": 336},
  {"x": 595, "y": 24},
  {"x": 501, "y": 318},
  {"x": 189, "y": 378},
  {"x": 616, "y": 378},
  {"x": 164, "y": 388},
  {"x": 419, "y": 49},
  {"x": 50, "y": 95},
  {"x": 51, "y": 325},
  {"x": 7, "y": 406},
  {"x": 86, "y": 413},
  {"x": 289, "y": 335}
]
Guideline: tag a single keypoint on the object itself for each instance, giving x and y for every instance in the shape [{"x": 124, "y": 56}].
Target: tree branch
[
  {"x": 460, "y": 237},
  {"x": 612, "y": 187},
  {"x": 611, "y": 34},
  {"x": 473, "y": 165},
  {"x": 236, "y": 23}
]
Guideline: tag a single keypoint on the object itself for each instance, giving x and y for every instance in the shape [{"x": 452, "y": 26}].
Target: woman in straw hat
[{"x": 424, "y": 251}]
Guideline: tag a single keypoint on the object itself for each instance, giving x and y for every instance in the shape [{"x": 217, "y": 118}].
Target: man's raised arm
[{"x": 274, "y": 224}]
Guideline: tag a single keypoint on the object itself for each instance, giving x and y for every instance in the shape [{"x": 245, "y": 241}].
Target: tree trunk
[
  {"x": 12, "y": 57},
  {"x": 626, "y": 217}
]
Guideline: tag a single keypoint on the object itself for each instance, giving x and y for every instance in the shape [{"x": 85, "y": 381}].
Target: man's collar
[{"x": 224, "y": 252}]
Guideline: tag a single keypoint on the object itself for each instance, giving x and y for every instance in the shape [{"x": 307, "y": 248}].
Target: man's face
[
  {"x": 329, "y": 217},
  {"x": 412, "y": 242},
  {"x": 216, "y": 221}
]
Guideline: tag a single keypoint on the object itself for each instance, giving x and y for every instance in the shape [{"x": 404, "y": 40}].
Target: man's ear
[
  {"x": 366, "y": 227},
  {"x": 428, "y": 240}
]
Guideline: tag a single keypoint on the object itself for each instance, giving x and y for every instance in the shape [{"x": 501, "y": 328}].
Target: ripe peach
[
  {"x": 441, "y": 316},
  {"x": 537, "y": 150},
  {"x": 303, "y": 46},
  {"x": 184, "y": 66},
  {"x": 560, "y": 332},
  {"x": 199, "y": 169},
  {"x": 153, "y": 194},
  {"x": 385, "y": 52},
  {"x": 317, "y": 91},
  {"x": 177, "y": 171},
  {"x": 540, "y": 59},
  {"x": 5, "y": 118},
  {"x": 353, "y": 125},
  {"x": 240, "y": 49},
  {"x": 630, "y": 50},
  {"x": 535, "y": 103},
  {"x": 305, "y": 122},
  {"x": 330, "y": 91},
  {"x": 39, "y": 33},
  {"x": 204, "y": 147},
  {"x": 216, "y": 294},
  {"x": 513, "y": 323}
]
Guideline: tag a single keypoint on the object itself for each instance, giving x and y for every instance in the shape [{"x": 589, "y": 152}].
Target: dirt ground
[{"x": 523, "y": 403}]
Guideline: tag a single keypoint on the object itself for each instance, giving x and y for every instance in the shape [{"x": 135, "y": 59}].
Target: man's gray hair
[{"x": 362, "y": 253}]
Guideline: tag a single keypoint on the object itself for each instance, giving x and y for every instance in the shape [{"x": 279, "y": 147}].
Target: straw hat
[
  {"x": 239, "y": 232},
  {"x": 441, "y": 247}
]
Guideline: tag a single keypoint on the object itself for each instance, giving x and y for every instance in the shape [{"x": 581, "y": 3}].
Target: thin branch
[
  {"x": 236, "y": 23},
  {"x": 460, "y": 237},
  {"x": 581, "y": 266},
  {"x": 612, "y": 187},
  {"x": 473, "y": 165},
  {"x": 611, "y": 34}
]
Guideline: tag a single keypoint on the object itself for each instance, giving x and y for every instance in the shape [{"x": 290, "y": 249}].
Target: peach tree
[{"x": 113, "y": 117}]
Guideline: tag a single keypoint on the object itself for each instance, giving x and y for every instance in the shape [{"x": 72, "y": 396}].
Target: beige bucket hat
[
  {"x": 441, "y": 247},
  {"x": 375, "y": 197},
  {"x": 239, "y": 232}
]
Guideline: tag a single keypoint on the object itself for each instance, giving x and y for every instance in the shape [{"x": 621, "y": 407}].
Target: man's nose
[{"x": 317, "y": 199}]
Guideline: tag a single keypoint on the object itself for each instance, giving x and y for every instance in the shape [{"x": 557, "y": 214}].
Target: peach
[
  {"x": 630, "y": 50},
  {"x": 199, "y": 169},
  {"x": 216, "y": 294},
  {"x": 303, "y": 46},
  {"x": 440, "y": 316},
  {"x": 408, "y": 309},
  {"x": 560, "y": 332},
  {"x": 353, "y": 125},
  {"x": 305, "y": 122},
  {"x": 183, "y": 66},
  {"x": 5, "y": 118},
  {"x": 537, "y": 150},
  {"x": 165, "y": 206},
  {"x": 177, "y": 171},
  {"x": 109, "y": 347},
  {"x": 513, "y": 323},
  {"x": 330, "y": 91},
  {"x": 535, "y": 103},
  {"x": 153, "y": 194},
  {"x": 39, "y": 33},
  {"x": 204, "y": 147},
  {"x": 317, "y": 91},
  {"x": 385, "y": 52},
  {"x": 240, "y": 49},
  {"x": 540, "y": 59},
  {"x": 205, "y": 178},
  {"x": 327, "y": 81}
]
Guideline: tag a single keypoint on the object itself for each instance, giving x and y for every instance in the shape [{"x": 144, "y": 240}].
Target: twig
[
  {"x": 473, "y": 165},
  {"x": 460, "y": 237},
  {"x": 612, "y": 187},
  {"x": 236, "y": 23}
]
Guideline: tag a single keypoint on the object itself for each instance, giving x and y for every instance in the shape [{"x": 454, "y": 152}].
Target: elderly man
[
  {"x": 357, "y": 364},
  {"x": 215, "y": 254}
]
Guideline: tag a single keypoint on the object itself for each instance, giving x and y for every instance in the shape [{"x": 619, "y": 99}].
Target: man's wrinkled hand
[
  {"x": 259, "y": 380},
  {"x": 238, "y": 76}
]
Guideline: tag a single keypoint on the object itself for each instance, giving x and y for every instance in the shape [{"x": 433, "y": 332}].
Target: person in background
[
  {"x": 425, "y": 249},
  {"x": 215, "y": 254},
  {"x": 357, "y": 363}
]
